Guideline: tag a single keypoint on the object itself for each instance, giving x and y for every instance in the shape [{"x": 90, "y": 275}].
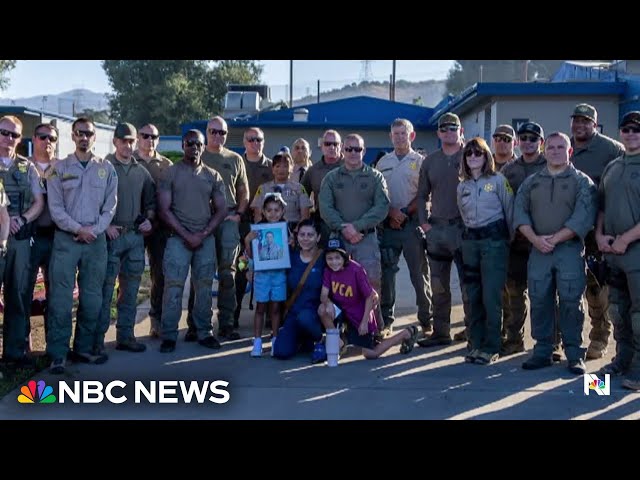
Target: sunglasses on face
[
  {"x": 214, "y": 131},
  {"x": 529, "y": 138},
  {"x": 85, "y": 133},
  {"x": 255, "y": 140},
  {"x": 46, "y": 136},
  {"x": 477, "y": 153},
  {"x": 353, "y": 149},
  {"x": 502, "y": 138},
  {"x": 7, "y": 133},
  {"x": 630, "y": 129},
  {"x": 148, "y": 136},
  {"x": 192, "y": 143},
  {"x": 448, "y": 128},
  {"x": 331, "y": 144}
]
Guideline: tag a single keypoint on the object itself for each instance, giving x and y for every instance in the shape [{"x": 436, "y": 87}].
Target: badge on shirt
[
  {"x": 507, "y": 187},
  {"x": 413, "y": 165},
  {"x": 22, "y": 168},
  {"x": 488, "y": 187},
  {"x": 102, "y": 173}
]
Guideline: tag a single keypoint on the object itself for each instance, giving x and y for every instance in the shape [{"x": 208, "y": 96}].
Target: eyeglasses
[
  {"x": 86, "y": 133},
  {"x": 331, "y": 144},
  {"x": 529, "y": 138},
  {"x": 255, "y": 140},
  {"x": 630, "y": 129},
  {"x": 148, "y": 136},
  {"x": 7, "y": 133},
  {"x": 448, "y": 128},
  {"x": 477, "y": 153},
  {"x": 502, "y": 138},
  {"x": 213, "y": 131},
  {"x": 46, "y": 136},
  {"x": 353, "y": 149},
  {"x": 192, "y": 143}
]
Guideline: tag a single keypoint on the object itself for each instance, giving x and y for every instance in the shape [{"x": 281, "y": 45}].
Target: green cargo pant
[
  {"x": 155, "y": 245},
  {"x": 485, "y": 274},
  {"x": 393, "y": 243},
  {"x": 560, "y": 272},
  {"x": 624, "y": 306},
  {"x": 90, "y": 261},
  {"x": 177, "y": 260},
  {"x": 598, "y": 301},
  {"x": 40, "y": 257},
  {"x": 125, "y": 261},
  {"x": 227, "y": 237},
  {"x": 444, "y": 242},
  {"x": 16, "y": 312},
  {"x": 514, "y": 306},
  {"x": 367, "y": 253}
]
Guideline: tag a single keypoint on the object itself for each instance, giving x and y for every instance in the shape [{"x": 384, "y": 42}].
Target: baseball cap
[
  {"x": 125, "y": 131},
  {"x": 449, "y": 119},
  {"x": 505, "y": 130},
  {"x": 531, "y": 127},
  {"x": 630, "y": 117},
  {"x": 284, "y": 149},
  {"x": 585, "y": 110},
  {"x": 336, "y": 245}
]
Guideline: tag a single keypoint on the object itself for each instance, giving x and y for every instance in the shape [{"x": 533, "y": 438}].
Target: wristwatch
[{"x": 23, "y": 219}]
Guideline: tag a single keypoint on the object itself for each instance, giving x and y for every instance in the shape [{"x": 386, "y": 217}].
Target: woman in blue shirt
[{"x": 302, "y": 327}]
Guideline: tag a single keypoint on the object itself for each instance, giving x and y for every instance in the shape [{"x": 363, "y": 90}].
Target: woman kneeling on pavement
[
  {"x": 485, "y": 201},
  {"x": 302, "y": 327}
]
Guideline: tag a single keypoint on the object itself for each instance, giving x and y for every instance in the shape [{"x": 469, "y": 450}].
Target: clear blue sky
[{"x": 38, "y": 77}]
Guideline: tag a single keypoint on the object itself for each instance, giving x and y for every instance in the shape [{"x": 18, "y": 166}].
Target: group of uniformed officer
[{"x": 100, "y": 214}]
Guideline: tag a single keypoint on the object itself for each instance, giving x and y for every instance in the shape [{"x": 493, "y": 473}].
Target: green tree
[
  {"x": 5, "y": 66},
  {"x": 98, "y": 116},
  {"x": 168, "y": 93}
]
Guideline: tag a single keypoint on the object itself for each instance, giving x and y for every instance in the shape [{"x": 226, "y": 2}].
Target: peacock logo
[{"x": 44, "y": 393}]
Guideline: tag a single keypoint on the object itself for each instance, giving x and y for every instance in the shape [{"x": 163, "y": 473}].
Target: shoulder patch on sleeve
[
  {"x": 259, "y": 191},
  {"x": 507, "y": 187}
]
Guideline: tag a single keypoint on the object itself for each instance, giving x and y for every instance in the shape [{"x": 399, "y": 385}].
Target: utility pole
[
  {"x": 393, "y": 81},
  {"x": 290, "y": 83}
]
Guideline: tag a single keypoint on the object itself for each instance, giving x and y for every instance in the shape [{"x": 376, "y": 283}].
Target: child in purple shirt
[{"x": 346, "y": 285}]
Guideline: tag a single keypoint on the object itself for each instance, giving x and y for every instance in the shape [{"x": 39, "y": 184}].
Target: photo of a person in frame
[{"x": 269, "y": 248}]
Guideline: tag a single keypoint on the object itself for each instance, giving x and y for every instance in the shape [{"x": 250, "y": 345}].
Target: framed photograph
[{"x": 270, "y": 249}]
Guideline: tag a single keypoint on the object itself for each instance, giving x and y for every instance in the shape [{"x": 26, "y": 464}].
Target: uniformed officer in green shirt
[
  {"x": 155, "y": 242},
  {"x": 82, "y": 196},
  {"x": 354, "y": 200},
  {"x": 135, "y": 211},
  {"x": 231, "y": 168},
  {"x": 555, "y": 209},
  {"x": 192, "y": 203},
  {"x": 258, "y": 168},
  {"x": 25, "y": 195},
  {"x": 617, "y": 235},
  {"x": 531, "y": 160},
  {"x": 592, "y": 151}
]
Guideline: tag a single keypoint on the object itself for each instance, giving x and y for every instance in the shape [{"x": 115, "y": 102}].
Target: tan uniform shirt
[
  {"x": 402, "y": 177},
  {"x": 439, "y": 180},
  {"x": 231, "y": 168},
  {"x": 258, "y": 173},
  {"x": 293, "y": 194},
  {"x": 192, "y": 193},
  {"x": 82, "y": 196},
  {"x": 155, "y": 166}
]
